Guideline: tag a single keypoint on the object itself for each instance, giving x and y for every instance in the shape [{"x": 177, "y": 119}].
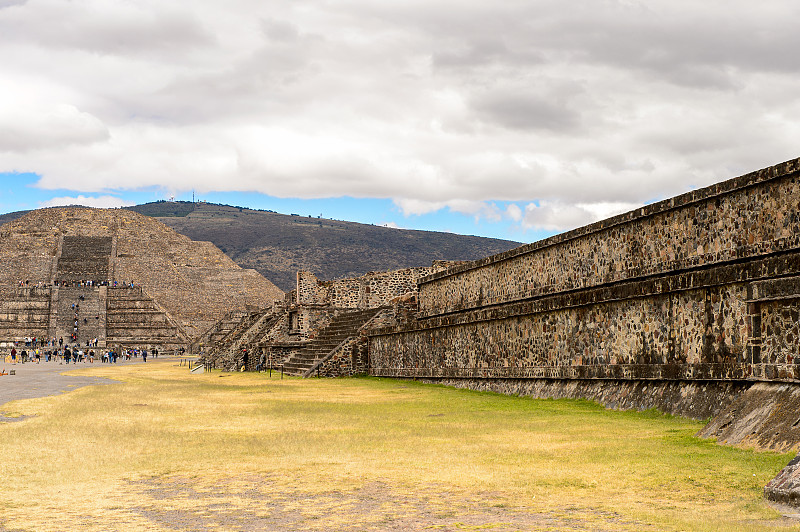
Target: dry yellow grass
[{"x": 167, "y": 450}]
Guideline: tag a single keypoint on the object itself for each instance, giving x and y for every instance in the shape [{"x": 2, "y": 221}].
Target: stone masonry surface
[
  {"x": 705, "y": 286},
  {"x": 743, "y": 218}
]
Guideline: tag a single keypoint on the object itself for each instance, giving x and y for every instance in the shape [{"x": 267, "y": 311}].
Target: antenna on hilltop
[{"x": 192, "y": 196}]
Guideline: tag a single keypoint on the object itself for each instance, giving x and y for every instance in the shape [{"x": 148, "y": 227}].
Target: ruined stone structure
[
  {"x": 319, "y": 327},
  {"x": 117, "y": 276},
  {"x": 691, "y": 305}
]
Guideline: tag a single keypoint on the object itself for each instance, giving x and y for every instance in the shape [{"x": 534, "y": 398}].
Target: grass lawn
[{"x": 167, "y": 450}]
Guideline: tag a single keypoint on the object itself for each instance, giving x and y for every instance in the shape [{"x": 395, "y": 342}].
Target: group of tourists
[
  {"x": 24, "y": 284},
  {"x": 75, "y": 354},
  {"x": 32, "y": 341},
  {"x": 91, "y": 283},
  {"x": 88, "y": 283},
  {"x": 38, "y": 349}
]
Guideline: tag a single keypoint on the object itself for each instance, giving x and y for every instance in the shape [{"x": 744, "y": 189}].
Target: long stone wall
[
  {"x": 701, "y": 287},
  {"x": 751, "y": 216},
  {"x": 709, "y": 330}
]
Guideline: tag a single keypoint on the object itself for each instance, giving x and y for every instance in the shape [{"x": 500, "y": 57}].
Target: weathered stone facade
[
  {"x": 698, "y": 287},
  {"x": 372, "y": 290},
  {"x": 349, "y": 359}
]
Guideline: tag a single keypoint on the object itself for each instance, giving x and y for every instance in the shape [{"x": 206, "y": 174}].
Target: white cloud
[
  {"x": 559, "y": 216},
  {"x": 102, "y": 202},
  {"x": 448, "y": 104},
  {"x": 477, "y": 209},
  {"x": 46, "y": 127},
  {"x": 514, "y": 212}
]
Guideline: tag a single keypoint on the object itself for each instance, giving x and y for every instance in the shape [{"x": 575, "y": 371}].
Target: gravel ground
[{"x": 244, "y": 504}]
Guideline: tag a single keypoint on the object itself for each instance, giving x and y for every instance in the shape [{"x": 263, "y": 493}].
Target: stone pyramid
[{"x": 180, "y": 287}]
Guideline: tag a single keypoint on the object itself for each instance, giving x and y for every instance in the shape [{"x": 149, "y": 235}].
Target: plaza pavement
[{"x": 33, "y": 380}]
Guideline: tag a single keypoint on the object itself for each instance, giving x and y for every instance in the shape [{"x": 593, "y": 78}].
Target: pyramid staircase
[
  {"x": 342, "y": 327},
  {"x": 79, "y": 309},
  {"x": 84, "y": 258}
]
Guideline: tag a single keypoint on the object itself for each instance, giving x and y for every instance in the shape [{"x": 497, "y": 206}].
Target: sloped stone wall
[
  {"x": 751, "y": 216},
  {"x": 705, "y": 286},
  {"x": 697, "y": 399},
  {"x": 24, "y": 312},
  {"x": 134, "y": 319}
]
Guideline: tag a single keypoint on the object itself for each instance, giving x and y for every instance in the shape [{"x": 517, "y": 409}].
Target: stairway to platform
[
  {"x": 80, "y": 314},
  {"x": 84, "y": 258},
  {"x": 344, "y": 325}
]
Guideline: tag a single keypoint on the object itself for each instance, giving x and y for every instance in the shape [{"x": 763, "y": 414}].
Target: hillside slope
[{"x": 277, "y": 245}]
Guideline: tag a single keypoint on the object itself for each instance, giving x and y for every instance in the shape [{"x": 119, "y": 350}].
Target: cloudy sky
[{"x": 511, "y": 118}]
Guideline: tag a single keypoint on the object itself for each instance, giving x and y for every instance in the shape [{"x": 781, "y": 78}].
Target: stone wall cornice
[{"x": 717, "y": 190}]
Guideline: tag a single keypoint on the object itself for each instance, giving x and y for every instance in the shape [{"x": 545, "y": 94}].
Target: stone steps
[
  {"x": 132, "y": 317},
  {"x": 252, "y": 328},
  {"x": 89, "y": 309},
  {"x": 237, "y": 332},
  {"x": 84, "y": 258},
  {"x": 343, "y": 326}
]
